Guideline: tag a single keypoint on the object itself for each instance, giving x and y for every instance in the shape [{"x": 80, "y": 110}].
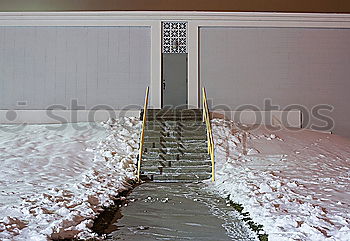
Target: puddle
[{"x": 156, "y": 211}]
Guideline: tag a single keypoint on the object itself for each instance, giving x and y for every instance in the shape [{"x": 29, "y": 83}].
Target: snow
[
  {"x": 55, "y": 179},
  {"x": 295, "y": 183}
]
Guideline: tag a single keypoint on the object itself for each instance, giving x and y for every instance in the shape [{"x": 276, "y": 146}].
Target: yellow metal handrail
[
  {"x": 206, "y": 119},
  {"x": 142, "y": 136}
]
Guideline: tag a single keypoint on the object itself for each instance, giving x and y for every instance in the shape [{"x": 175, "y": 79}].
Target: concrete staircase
[{"x": 175, "y": 147}]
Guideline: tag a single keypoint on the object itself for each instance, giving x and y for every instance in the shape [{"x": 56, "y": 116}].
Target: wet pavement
[{"x": 177, "y": 211}]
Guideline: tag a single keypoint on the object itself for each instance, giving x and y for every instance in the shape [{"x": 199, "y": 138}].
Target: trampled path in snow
[{"x": 179, "y": 211}]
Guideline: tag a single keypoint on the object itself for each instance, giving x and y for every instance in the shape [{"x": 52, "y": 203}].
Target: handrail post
[{"x": 142, "y": 136}]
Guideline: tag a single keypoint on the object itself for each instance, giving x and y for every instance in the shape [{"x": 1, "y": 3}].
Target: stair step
[
  {"x": 175, "y": 123},
  {"x": 175, "y": 150},
  {"x": 174, "y": 118},
  {"x": 177, "y": 142},
  {"x": 173, "y": 126},
  {"x": 175, "y": 156},
  {"x": 175, "y": 139},
  {"x": 178, "y": 130},
  {"x": 195, "y": 144},
  {"x": 186, "y": 130},
  {"x": 186, "y": 145},
  {"x": 174, "y": 114},
  {"x": 174, "y": 134},
  {"x": 174, "y": 111},
  {"x": 181, "y": 177},
  {"x": 186, "y": 169},
  {"x": 172, "y": 181},
  {"x": 158, "y": 128},
  {"x": 168, "y": 114},
  {"x": 173, "y": 163}
]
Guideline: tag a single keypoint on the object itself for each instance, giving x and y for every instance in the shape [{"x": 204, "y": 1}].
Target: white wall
[
  {"x": 42, "y": 66},
  {"x": 306, "y": 66},
  {"x": 150, "y": 22}
]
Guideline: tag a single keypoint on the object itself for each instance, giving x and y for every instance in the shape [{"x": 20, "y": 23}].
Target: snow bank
[
  {"x": 294, "y": 183},
  {"x": 55, "y": 182}
]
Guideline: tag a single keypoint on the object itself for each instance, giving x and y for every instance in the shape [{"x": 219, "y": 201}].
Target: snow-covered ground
[
  {"x": 53, "y": 183},
  {"x": 55, "y": 179},
  {"x": 295, "y": 183}
]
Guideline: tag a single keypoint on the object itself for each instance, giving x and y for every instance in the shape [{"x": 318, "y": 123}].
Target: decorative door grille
[{"x": 174, "y": 37}]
